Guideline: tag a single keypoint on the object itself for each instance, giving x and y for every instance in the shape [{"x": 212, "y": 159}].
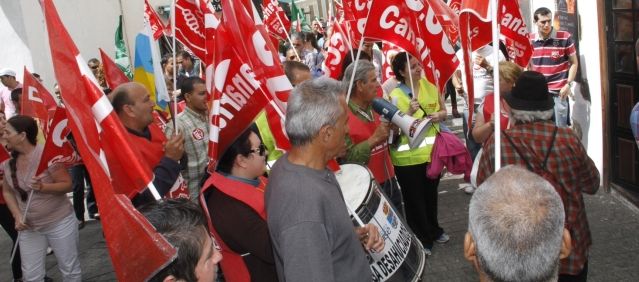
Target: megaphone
[{"x": 415, "y": 129}]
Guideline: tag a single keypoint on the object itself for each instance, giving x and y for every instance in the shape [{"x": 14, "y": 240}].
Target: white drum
[{"x": 402, "y": 258}]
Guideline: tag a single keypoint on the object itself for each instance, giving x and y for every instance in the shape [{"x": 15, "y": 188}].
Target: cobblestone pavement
[{"x": 614, "y": 255}]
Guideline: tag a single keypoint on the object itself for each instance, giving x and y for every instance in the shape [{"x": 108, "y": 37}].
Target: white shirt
[{"x": 482, "y": 80}]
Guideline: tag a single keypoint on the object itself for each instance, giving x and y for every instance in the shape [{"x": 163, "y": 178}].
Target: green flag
[
  {"x": 121, "y": 53},
  {"x": 299, "y": 18}
]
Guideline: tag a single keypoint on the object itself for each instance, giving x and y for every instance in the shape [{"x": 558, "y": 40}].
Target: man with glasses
[
  {"x": 234, "y": 197},
  {"x": 554, "y": 55},
  {"x": 192, "y": 123},
  {"x": 96, "y": 68}
]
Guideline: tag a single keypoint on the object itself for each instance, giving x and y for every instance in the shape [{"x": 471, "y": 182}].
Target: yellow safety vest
[
  {"x": 428, "y": 98},
  {"x": 267, "y": 139}
]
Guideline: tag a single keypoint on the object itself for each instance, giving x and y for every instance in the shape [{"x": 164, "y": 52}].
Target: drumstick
[{"x": 354, "y": 214}]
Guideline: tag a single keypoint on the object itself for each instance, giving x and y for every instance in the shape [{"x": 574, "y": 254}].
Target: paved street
[{"x": 614, "y": 255}]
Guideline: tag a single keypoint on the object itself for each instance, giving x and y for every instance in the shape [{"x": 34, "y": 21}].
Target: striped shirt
[{"x": 551, "y": 57}]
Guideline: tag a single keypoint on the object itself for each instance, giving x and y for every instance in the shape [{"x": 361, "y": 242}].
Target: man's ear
[
  {"x": 566, "y": 245},
  {"x": 325, "y": 133},
  {"x": 169, "y": 278},
  {"x": 469, "y": 248}
]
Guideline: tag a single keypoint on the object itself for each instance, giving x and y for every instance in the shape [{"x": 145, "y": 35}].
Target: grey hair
[
  {"x": 312, "y": 105},
  {"x": 516, "y": 219},
  {"x": 531, "y": 116},
  {"x": 363, "y": 68}
]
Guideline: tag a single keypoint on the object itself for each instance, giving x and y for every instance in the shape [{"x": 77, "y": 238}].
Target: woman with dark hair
[
  {"x": 234, "y": 198},
  {"x": 50, "y": 220},
  {"x": 419, "y": 98},
  {"x": 6, "y": 219}
]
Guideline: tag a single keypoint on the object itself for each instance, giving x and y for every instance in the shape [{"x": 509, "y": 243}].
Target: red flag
[
  {"x": 514, "y": 30},
  {"x": 113, "y": 75},
  {"x": 57, "y": 149},
  {"x": 157, "y": 27},
  {"x": 338, "y": 48},
  {"x": 412, "y": 26},
  {"x": 455, "y": 5},
  {"x": 189, "y": 26},
  {"x": 389, "y": 51},
  {"x": 447, "y": 18},
  {"x": 36, "y": 101},
  {"x": 275, "y": 19},
  {"x": 248, "y": 77},
  {"x": 475, "y": 32},
  {"x": 129, "y": 236},
  {"x": 210, "y": 24}
]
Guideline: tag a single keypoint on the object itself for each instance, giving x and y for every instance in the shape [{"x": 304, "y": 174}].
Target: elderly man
[
  {"x": 133, "y": 104},
  {"x": 310, "y": 228},
  {"x": 553, "y": 152},
  {"x": 8, "y": 79},
  {"x": 516, "y": 228},
  {"x": 183, "y": 224}
]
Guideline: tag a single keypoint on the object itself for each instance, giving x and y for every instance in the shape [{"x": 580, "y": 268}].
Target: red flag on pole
[
  {"x": 57, "y": 149},
  {"x": 412, "y": 26},
  {"x": 389, "y": 51},
  {"x": 248, "y": 77},
  {"x": 338, "y": 48},
  {"x": 137, "y": 250},
  {"x": 189, "y": 26},
  {"x": 515, "y": 33},
  {"x": 113, "y": 75},
  {"x": 36, "y": 101},
  {"x": 446, "y": 17},
  {"x": 475, "y": 32},
  {"x": 157, "y": 27},
  {"x": 275, "y": 19}
]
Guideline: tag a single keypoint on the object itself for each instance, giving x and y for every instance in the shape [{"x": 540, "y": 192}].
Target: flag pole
[
  {"x": 125, "y": 35},
  {"x": 288, "y": 37},
  {"x": 359, "y": 52},
  {"x": 22, "y": 220},
  {"x": 496, "y": 100},
  {"x": 173, "y": 94}
]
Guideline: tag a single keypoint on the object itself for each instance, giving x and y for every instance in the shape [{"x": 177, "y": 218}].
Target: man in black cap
[{"x": 555, "y": 153}]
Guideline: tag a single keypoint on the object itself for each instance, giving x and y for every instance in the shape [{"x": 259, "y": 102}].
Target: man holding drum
[{"x": 311, "y": 232}]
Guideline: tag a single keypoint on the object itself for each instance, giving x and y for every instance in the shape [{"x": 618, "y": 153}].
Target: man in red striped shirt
[{"x": 555, "y": 56}]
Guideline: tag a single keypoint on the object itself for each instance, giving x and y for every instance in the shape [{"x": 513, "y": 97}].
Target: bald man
[{"x": 133, "y": 104}]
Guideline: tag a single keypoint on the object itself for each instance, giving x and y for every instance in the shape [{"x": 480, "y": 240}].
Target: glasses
[
  {"x": 261, "y": 150},
  {"x": 94, "y": 67}
]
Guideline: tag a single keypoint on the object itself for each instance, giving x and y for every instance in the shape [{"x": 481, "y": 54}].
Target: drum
[{"x": 402, "y": 258}]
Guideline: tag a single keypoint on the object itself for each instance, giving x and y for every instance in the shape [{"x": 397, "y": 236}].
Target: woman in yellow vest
[{"x": 418, "y": 98}]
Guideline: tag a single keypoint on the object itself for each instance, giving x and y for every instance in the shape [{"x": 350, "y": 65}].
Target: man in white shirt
[{"x": 8, "y": 79}]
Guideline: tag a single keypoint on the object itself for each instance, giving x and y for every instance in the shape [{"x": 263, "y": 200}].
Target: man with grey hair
[
  {"x": 312, "y": 234},
  {"x": 516, "y": 228},
  {"x": 555, "y": 153}
]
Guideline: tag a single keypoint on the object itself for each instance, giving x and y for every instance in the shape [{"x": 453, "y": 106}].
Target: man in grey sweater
[{"x": 312, "y": 234}]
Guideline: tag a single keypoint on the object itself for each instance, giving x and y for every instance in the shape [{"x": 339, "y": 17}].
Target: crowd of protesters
[{"x": 278, "y": 215}]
